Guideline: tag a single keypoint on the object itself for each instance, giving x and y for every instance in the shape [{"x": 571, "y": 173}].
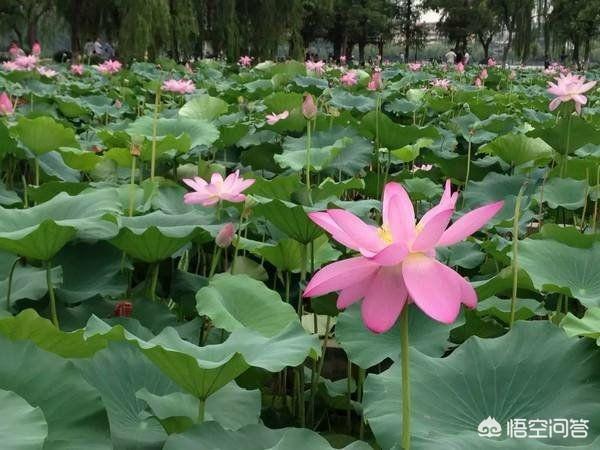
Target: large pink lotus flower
[
  {"x": 376, "y": 82},
  {"x": 6, "y": 106},
  {"x": 26, "y": 62},
  {"x": 273, "y": 118},
  {"x": 442, "y": 83},
  {"x": 460, "y": 67},
  {"x": 245, "y": 61},
  {"x": 10, "y": 66},
  {"x": 77, "y": 69},
  {"x": 316, "y": 67},
  {"x": 207, "y": 194},
  {"x": 397, "y": 261},
  {"x": 179, "y": 86},
  {"x": 109, "y": 67},
  {"x": 491, "y": 62},
  {"x": 46, "y": 72},
  {"x": 569, "y": 87},
  {"x": 415, "y": 67},
  {"x": 350, "y": 78}
]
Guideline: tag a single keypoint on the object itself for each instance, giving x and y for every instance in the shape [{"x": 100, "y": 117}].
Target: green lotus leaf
[
  {"x": 44, "y": 134},
  {"x": 451, "y": 396},
  {"x": 341, "y": 98},
  {"x": 200, "y": 132},
  {"x": 203, "y": 107},
  {"x": 573, "y": 273},
  {"x": 78, "y": 159},
  {"x": 587, "y": 326},
  {"x": 393, "y": 135},
  {"x": 568, "y": 135},
  {"x": 526, "y": 308},
  {"x": 359, "y": 343},
  {"x": 238, "y": 301},
  {"x": 565, "y": 192},
  {"x": 291, "y": 219},
  {"x": 24, "y": 426},
  {"x": 517, "y": 149}
]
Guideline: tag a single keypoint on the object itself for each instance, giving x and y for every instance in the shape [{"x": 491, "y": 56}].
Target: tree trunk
[
  {"x": 507, "y": 48},
  {"x": 586, "y": 53},
  {"x": 380, "y": 49},
  {"x": 407, "y": 30},
  {"x": 361, "y": 53},
  {"x": 546, "y": 31},
  {"x": 576, "y": 46},
  {"x": 75, "y": 20},
  {"x": 31, "y": 32}
]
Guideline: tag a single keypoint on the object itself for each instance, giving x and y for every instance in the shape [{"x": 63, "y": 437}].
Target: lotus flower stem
[
  {"x": 154, "y": 132},
  {"x": 10, "y": 278},
  {"x": 154, "y": 281},
  {"x": 25, "y": 192},
  {"x": 349, "y": 396},
  {"x": 316, "y": 372},
  {"x": 563, "y": 167},
  {"x": 215, "y": 261},
  {"x": 37, "y": 172},
  {"x": 236, "y": 244},
  {"x": 515, "y": 255},
  {"x": 360, "y": 388},
  {"x": 595, "y": 217},
  {"x": 469, "y": 145},
  {"x": 132, "y": 186},
  {"x": 53, "y": 314},
  {"x": 405, "y": 379},
  {"x": 308, "y": 148}
]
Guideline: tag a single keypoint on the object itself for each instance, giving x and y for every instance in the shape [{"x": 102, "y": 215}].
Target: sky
[{"x": 430, "y": 16}]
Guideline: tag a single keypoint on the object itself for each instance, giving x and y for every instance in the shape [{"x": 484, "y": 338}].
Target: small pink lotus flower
[
  {"x": 26, "y": 62},
  {"x": 460, "y": 67},
  {"x": 245, "y": 61},
  {"x": 397, "y": 261},
  {"x": 273, "y": 118},
  {"x": 309, "y": 108},
  {"x": 442, "y": 83},
  {"x": 424, "y": 168},
  {"x": 46, "y": 72},
  {"x": 6, "y": 107},
  {"x": 343, "y": 59},
  {"x": 15, "y": 51},
  {"x": 350, "y": 78},
  {"x": 109, "y": 67},
  {"x": 491, "y": 62},
  {"x": 478, "y": 82},
  {"x": 207, "y": 194},
  {"x": 179, "y": 86},
  {"x": 376, "y": 82},
  {"x": 316, "y": 67},
  {"x": 569, "y": 87},
  {"x": 484, "y": 74},
  {"x": 415, "y": 67},
  {"x": 76, "y": 69},
  {"x": 36, "y": 49},
  {"x": 225, "y": 235},
  {"x": 10, "y": 66}
]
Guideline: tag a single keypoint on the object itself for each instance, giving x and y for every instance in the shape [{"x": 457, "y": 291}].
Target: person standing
[
  {"x": 450, "y": 57},
  {"x": 466, "y": 58}
]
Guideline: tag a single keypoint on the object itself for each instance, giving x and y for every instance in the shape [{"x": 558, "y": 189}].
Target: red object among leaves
[{"x": 123, "y": 309}]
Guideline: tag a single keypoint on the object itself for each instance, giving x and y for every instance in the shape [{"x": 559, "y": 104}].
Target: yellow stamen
[{"x": 385, "y": 235}]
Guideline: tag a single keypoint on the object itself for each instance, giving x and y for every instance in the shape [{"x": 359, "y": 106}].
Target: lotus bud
[
  {"x": 225, "y": 235},
  {"x": 309, "y": 108}
]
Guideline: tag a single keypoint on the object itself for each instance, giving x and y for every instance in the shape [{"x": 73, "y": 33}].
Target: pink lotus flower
[
  {"x": 179, "y": 86},
  {"x": 309, "y": 108},
  {"x": 442, "y": 83},
  {"x": 316, "y": 67},
  {"x": 376, "y": 82},
  {"x": 397, "y": 261},
  {"x": 15, "y": 51},
  {"x": 245, "y": 61},
  {"x": 569, "y": 87},
  {"x": 350, "y": 78},
  {"x": 6, "y": 107},
  {"x": 415, "y": 67},
  {"x": 208, "y": 194},
  {"x": 491, "y": 62},
  {"x": 26, "y": 62},
  {"x": 46, "y": 72},
  {"x": 109, "y": 67},
  {"x": 36, "y": 49},
  {"x": 273, "y": 118},
  {"x": 343, "y": 59},
  {"x": 225, "y": 235},
  {"x": 478, "y": 82},
  {"x": 484, "y": 74},
  {"x": 76, "y": 69},
  {"x": 10, "y": 66},
  {"x": 460, "y": 67}
]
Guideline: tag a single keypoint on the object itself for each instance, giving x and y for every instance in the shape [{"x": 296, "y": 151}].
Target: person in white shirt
[
  {"x": 450, "y": 57},
  {"x": 466, "y": 58}
]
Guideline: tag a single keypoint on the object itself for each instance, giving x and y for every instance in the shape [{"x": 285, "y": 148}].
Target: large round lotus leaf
[
  {"x": 291, "y": 219},
  {"x": 210, "y": 436},
  {"x": 556, "y": 267},
  {"x": 588, "y": 326},
  {"x": 28, "y": 282},
  {"x": 238, "y": 301},
  {"x": 393, "y": 135},
  {"x": 569, "y": 134},
  {"x": 200, "y": 131},
  {"x": 44, "y": 134},
  {"x": 41, "y": 231},
  {"x": 23, "y": 427},
  {"x": 203, "y": 107},
  {"x": 565, "y": 192},
  {"x": 533, "y": 372},
  {"x": 78, "y": 159},
  {"x": 366, "y": 348},
  {"x": 118, "y": 372},
  {"x": 341, "y": 98},
  {"x": 156, "y": 236},
  {"x": 73, "y": 410},
  {"x": 519, "y": 149}
]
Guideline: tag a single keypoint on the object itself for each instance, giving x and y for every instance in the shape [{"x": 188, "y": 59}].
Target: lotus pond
[{"x": 265, "y": 257}]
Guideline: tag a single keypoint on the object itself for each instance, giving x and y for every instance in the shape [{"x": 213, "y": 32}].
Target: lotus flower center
[{"x": 385, "y": 235}]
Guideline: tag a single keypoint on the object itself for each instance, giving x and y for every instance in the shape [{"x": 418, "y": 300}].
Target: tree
[
  {"x": 24, "y": 17},
  {"x": 408, "y": 15},
  {"x": 515, "y": 17}
]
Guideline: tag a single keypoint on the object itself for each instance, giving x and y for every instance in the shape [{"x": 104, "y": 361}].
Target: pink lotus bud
[
  {"x": 36, "y": 49},
  {"x": 225, "y": 236},
  {"x": 309, "y": 108},
  {"x": 123, "y": 308},
  {"x": 6, "y": 107}
]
